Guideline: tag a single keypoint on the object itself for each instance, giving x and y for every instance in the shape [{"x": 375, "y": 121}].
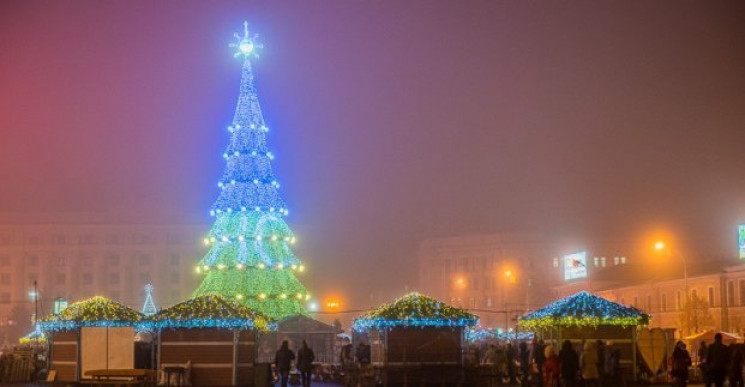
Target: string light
[
  {"x": 415, "y": 310},
  {"x": 209, "y": 311},
  {"x": 93, "y": 312},
  {"x": 249, "y": 232},
  {"x": 584, "y": 309}
]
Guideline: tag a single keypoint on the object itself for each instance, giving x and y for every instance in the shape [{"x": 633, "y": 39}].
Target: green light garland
[
  {"x": 583, "y": 310},
  {"x": 212, "y": 310},
  {"x": 94, "y": 311},
  {"x": 417, "y": 310}
]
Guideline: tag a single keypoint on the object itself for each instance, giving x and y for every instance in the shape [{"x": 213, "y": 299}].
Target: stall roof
[
  {"x": 584, "y": 309},
  {"x": 210, "y": 311},
  {"x": 93, "y": 312},
  {"x": 415, "y": 310}
]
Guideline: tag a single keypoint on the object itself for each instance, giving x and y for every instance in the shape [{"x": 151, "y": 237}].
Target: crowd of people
[
  {"x": 717, "y": 362},
  {"x": 355, "y": 363},
  {"x": 538, "y": 364}
]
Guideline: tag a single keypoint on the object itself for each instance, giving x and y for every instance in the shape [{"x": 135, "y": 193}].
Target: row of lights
[
  {"x": 241, "y": 238},
  {"x": 274, "y": 183},
  {"x": 235, "y": 127},
  {"x": 270, "y": 155},
  {"x": 282, "y": 211},
  {"x": 240, "y": 266},
  {"x": 283, "y": 296}
]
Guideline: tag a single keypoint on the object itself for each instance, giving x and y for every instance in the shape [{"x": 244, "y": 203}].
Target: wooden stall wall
[
  {"x": 211, "y": 353},
  {"x": 64, "y": 356},
  {"x": 424, "y": 345}
]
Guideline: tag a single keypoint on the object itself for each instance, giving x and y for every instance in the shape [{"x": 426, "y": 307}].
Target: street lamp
[
  {"x": 509, "y": 278},
  {"x": 661, "y": 246}
]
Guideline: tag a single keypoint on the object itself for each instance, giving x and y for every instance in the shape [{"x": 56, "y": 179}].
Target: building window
[
  {"x": 113, "y": 260},
  {"x": 61, "y": 261},
  {"x": 32, "y": 260},
  {"x": 623, "y": 260},
  {"x": 143, "y": 239},
  {"x": 174, "y": 277},
  {"x": 5, "y": 279},
  {"x": 176, "y": 259},
  {"x": 742, "y": 292},
  {"x": 616, "y": 260},
  {"x": 113, "y": 239},
  {"x": 556, "y": 262},
  {"x": 677, "y": 303},
  {"x": 33, "y": 240},
  {"x": 145, "y": 278},
  {"x": 114, "y": 278},
  {"x": 144, "y": 259},
  {"x": 87, "y": 278},
  {"x": 175, "y": 239},
  {"x": 711, "y": 297},
  {"x": 86, "y": 240},
  {"x": 58, "y": 239},
  {"x": 489, "y": 302},
  {"x": 596, "y": 261},
  {"x": 649, "y": 303},
  {"x": 5, "y": 297},
  {"x": 602, "y": 261},
  {"x": 32, "y": 277},
  {"x": 731, "y": 293},
  {"x": 664, "y": 302},
  {"x": 694, "y": 294},
  {"x": 86, "y": 261},
  {"x": 60, "y": 279}
]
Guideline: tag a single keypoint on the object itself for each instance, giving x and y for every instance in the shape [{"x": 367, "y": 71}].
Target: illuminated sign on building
[
  {"x": 575, "y": 265},
  {"x": 741, "y": 240}
]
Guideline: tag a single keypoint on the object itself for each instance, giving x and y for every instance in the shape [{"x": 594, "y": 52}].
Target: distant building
[
  {"x": 719, "y": 285},
  {"x": 83, "y": 258},
  {"x": 501, "y": 276}
]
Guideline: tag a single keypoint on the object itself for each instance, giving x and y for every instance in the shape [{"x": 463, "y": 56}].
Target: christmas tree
[
  {"x": 148, "y": 308},
  {"x": 250, "y": 257}
]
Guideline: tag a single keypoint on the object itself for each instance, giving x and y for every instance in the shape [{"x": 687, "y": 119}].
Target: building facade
[
  {"x": 77, "y": 260},
  {"x": 719, "y": 289}
]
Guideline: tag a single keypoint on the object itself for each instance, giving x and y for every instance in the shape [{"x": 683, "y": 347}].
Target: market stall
[
  {"x": 586, "y": 317},
  {"x": 417, "y": 337},
  {"x": 209, "y": 340},
  {"x": 96, "y": 333}
]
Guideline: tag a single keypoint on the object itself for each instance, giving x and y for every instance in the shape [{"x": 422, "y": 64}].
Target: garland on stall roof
[
  {"x": 415, "y": 310},
  {"x": 210, "y": 311},
  {"x": 93, "y": 312},
  {"x": 584, "y": 309}
]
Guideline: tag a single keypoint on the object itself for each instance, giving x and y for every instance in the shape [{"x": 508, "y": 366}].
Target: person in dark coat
[
  {"x": 282, "y": 361},
  {"x": 305, "y": 359},
  {"x": 569, "y": 364},
  {"x": 680, "y": 362},
  {"x": 539, "y": 358},
  {"x": 511, "y": 357},
  {"x": 717, "y": 361},
  {"x": 735, "y": 370},
  {"x": 524, "y": 363},
  {"x": 703, "y": 352}
]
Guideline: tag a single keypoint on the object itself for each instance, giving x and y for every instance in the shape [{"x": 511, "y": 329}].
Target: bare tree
[{"x": 695, "y": 316}]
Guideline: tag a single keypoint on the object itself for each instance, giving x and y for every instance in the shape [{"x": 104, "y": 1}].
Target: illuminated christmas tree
[
  {"x": 148, "y": 308},
  {"x": 250, "y": 257}
]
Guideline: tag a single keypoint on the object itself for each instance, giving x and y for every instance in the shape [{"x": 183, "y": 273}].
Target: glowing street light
[{"x": 659, "y": 245}]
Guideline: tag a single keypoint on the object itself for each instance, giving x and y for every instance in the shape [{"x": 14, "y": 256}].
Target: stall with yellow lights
[
  {"x": 416, "y": 339},
  {"x": 96, "y": 333},
  {"x": 584, "y": 317},
  {"x": 208, "y": 340}
]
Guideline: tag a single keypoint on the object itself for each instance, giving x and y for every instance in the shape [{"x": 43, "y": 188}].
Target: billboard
[
  {"x": 741, "y": 240},
  {"x": 575, "y": 265}
]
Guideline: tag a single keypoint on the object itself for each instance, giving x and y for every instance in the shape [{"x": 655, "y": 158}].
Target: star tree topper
[{"x": 246, "y": 45}]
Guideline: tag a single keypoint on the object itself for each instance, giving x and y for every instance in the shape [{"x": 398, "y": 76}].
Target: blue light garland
[
  {"x": 584, "y": 309},
  {"x": 415, "y": 310}
]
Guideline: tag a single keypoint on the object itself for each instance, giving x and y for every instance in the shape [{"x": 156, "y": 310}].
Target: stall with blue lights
[
  {"x": 586, "y": 317},
  {"x": 96, "y": 333},
  {"x": 209, "y": 340},
  {"x": 416, "y": 337}
]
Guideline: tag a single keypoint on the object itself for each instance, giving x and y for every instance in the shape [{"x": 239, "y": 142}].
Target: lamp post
[
  {"x": 509, "y": 277},
  {"x": 661, "y": 246}
]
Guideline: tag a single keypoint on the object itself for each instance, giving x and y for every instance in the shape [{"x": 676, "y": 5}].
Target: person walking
[
  {"x": 680, "y": 362},
  {"x": 589, "y": 364},
  {"x": 551, "y": 369},
  {"x": 701, "y": 355},
  {"x": 511, "y": 357},
  {"x": 282, "y": 361},
  {"x": 524, "y": 363},
  {"x": 735, "y": 370},
  {"x": 305, "y": 359},
  {"x": 348, "y": 365},
  {"x": 717, "y": 360},
  {"x": 539, "y": 358},
  {"x": 569, "y": 364}
]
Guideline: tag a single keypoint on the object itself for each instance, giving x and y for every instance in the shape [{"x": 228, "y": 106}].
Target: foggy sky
[{"x": 391, "y": 121}]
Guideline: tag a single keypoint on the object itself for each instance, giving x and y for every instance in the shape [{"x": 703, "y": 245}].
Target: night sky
[{"x": 391, "y": 121}]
